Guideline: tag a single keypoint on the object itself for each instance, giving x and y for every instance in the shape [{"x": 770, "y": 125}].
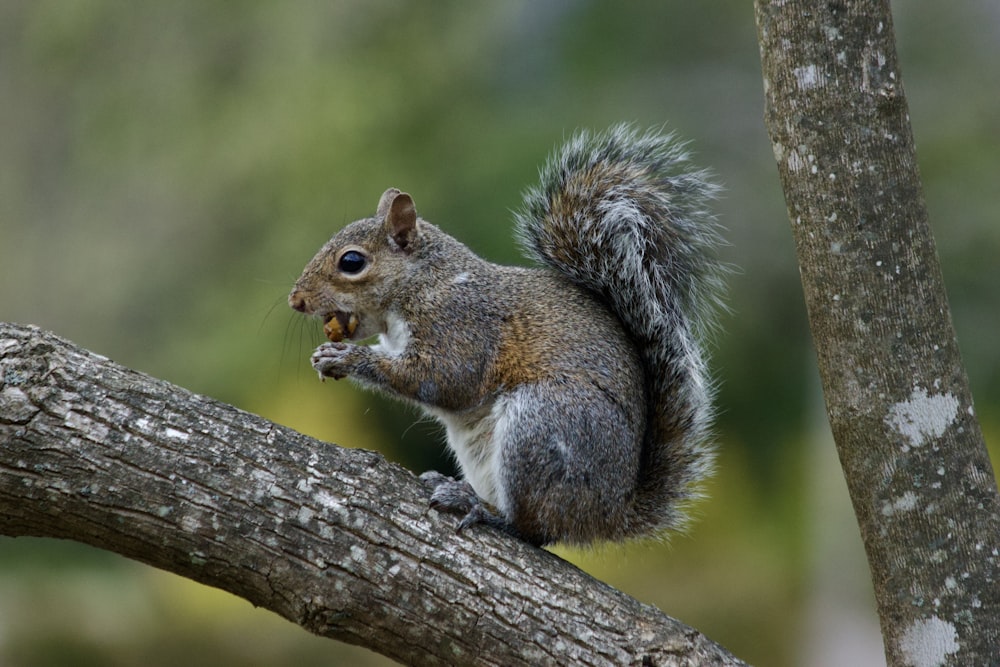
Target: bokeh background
[{"x": 167, "y": 168}]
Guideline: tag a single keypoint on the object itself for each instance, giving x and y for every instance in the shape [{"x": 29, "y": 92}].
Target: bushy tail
[{"x": 622, "y": 213}]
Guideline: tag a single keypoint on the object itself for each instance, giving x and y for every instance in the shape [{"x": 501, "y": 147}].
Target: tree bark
[
  {"x": 896, "y": 392},
  {"x": 339, "y": 541}
]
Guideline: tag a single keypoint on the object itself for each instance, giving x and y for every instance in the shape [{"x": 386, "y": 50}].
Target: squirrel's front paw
[{"x": 333, "y": 360}]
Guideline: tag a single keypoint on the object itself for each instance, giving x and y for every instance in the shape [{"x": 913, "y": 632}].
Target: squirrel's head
[{"x": 352, "y": 281}]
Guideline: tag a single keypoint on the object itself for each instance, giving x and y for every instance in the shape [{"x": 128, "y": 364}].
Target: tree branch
[
  {"x": 339, "y": 541},
  {"x": 896, "y": 392}
]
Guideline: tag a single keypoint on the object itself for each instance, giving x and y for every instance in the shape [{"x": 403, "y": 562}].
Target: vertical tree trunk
[{"x": 897, "y": 395}]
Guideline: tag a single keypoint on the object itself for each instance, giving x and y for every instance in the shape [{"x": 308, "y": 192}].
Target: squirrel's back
[{"x": 623, "y": 214}]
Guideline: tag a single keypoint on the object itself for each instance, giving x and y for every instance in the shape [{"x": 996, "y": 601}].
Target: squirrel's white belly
[{"x": 474, "y": 438}]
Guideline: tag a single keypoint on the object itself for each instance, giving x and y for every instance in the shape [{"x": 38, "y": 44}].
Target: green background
[{"x": 167, "y": 168}]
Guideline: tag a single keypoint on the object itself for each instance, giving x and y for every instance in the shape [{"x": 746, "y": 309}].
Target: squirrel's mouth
[{"x": 339, "y": 325}]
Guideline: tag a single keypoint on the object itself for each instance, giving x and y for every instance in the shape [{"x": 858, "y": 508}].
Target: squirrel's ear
[
  {"x": 385, "y": 201},
  {"x": 400, "y": 217}
]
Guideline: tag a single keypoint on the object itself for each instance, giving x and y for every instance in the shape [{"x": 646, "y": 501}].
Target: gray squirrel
[{"x": 575, "y": 396}]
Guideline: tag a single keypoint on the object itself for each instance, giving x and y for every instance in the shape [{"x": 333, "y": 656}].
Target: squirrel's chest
[{"x": 475, "y": 438}]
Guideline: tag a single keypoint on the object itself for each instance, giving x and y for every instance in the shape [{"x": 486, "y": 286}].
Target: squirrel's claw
[{"x": 478, "y": 514}]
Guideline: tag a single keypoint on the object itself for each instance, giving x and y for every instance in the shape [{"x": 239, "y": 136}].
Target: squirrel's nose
[{"x": 297, "y": 301}]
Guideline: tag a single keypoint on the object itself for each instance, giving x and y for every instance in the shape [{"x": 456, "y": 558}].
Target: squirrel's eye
[{"x": 351, "y": 261}]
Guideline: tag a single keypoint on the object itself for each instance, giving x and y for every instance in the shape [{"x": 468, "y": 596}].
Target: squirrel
[{"x": 575, "y": 396}]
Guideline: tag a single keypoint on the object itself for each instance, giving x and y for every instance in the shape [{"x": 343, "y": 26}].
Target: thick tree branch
[
  {"x": 896, "y": 392},
  {"x": 338, "y": 541}
]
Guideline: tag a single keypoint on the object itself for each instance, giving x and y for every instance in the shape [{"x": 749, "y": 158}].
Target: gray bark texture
[
  {"x": 339, "y": 541},
  {"x": 896, "y": 392}
]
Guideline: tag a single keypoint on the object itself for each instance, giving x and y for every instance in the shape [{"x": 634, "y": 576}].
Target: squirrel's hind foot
[{"x": 458, "y": 496}]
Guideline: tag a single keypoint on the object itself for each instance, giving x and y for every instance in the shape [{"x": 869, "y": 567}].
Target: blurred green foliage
[{"x": 166, "y": 169}]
